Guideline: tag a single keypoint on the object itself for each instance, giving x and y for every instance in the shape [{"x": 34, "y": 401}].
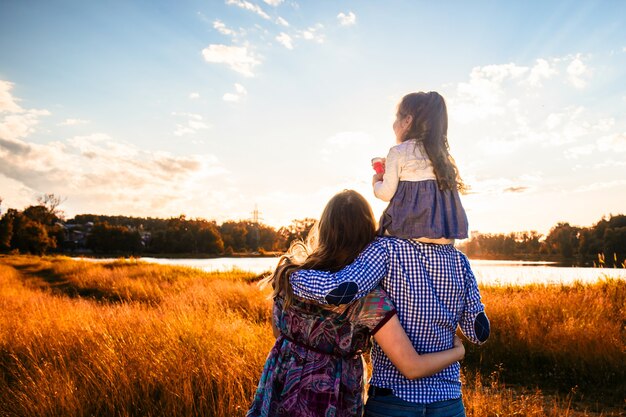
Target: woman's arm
[
  {"x": 354, "y": 281},
  {"x": 399, "y": 349}
]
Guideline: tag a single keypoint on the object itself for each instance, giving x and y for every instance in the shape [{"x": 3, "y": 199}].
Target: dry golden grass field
[{"x": 134, "y": 339}]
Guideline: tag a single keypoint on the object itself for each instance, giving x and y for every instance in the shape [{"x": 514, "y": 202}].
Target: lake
[{"x": 487, "y": 272}]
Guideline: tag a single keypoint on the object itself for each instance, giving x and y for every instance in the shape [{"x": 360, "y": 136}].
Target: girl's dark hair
[
  {"x": 430, "y": 127},
  {"x": 346, "y": 227}
]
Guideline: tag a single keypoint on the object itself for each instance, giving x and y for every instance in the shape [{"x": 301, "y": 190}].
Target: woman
[{"x": 316, "y": 367}]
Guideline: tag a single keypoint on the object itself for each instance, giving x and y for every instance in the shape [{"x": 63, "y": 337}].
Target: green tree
[
  {"x": 563, "y": 240},
  {"x": 298, "y": 229},
  {"x": 30, "y": 236},
  {"x": 234, "y": 235},
  {"x": 208, "y": 238},
  {"x": 114, "y": 239},
  {"x": 6, "y": 229}
]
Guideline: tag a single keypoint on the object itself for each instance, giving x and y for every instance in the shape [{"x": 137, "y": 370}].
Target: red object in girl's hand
[{"x": 378, "y": 165}]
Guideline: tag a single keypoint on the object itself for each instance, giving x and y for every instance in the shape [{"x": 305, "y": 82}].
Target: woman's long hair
[
  {"x": 430, "y": 127},
  {"x": 347, "y": 225}
]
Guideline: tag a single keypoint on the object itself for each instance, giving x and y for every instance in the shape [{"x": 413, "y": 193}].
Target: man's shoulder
[{"x": 393, "y": 244}]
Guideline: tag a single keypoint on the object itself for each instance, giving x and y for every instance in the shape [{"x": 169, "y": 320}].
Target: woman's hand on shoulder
[{"x": 459, "y": 347}]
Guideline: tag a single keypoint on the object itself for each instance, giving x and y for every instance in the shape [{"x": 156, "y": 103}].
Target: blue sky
[{"x": 159, "y": 108}]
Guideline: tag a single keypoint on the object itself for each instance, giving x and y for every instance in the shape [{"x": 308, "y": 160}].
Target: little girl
[{"x": 421, "y": 180}]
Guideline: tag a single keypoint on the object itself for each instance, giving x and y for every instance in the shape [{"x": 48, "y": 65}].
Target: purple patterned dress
[{"x": 315, "y": 368}]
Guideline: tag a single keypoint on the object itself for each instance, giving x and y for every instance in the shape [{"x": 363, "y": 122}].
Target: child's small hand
[{"x": 377, "y": 178}]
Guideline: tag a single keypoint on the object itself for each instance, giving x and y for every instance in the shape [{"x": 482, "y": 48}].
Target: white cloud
[
  {"x": 15, "y": 121},
  {"x": 483, "y": 96},
  {"x": 106, "y": 176},
  {"x": 194, "y": 95},
  {"x": 346, "y": 19},
  {"x": 282, "y": 22},
  {"x": 492, "y": 89},
  {"x": 312, "y": 33},
  {"x": 273, "y": 3},
  {"x": 238, "y": 95},
  {"x": 238, "y": 58},
  {"x": 246, "y": 5},
  {"x": 610, "y": 163},
  {"x": 73, "y": 122},
  {"x": 8, "y": 103},
  {"x": 98, "y": 174},
  {"x": 554, "y": 120},
  {"x": 617, "y": 184},
  {"x": 343, "y": 140},
  {"x": 511, "y": 119},
  {"x": 499, "y": 185},
  {"x": 604, "y": 125},
  {"x": 285, "y": 40},
  {"x": 612, "y": 143},
  {"x": 578, "y": 151},
  {"x": 192, "y": 125},
  {"x": 221, "y": 28},
  {"x": 577, "y": 73},
  {"x": 541, "y": 70},
  {"x": 19, "y": 125},
  {"x": 230, "y": 97}
]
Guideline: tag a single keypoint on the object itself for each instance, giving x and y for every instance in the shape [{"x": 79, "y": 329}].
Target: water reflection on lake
[{"x": 487, "y": 272}]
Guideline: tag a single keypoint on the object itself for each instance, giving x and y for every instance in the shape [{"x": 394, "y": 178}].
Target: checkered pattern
[{"x": 433, "y": 289}]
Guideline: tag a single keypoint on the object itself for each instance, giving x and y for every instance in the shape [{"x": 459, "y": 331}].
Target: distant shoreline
[
  {"x": 553, "y": 260},
  {"x": 173, "y": 255}
]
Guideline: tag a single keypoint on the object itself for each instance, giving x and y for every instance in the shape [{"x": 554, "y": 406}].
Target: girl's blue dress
[{"x": 421, "y": 209}]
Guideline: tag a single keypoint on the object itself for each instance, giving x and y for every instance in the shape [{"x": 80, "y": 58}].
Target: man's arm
[
  {"x": 474, "y": 322},
  {"x": 352, "y": 282}
]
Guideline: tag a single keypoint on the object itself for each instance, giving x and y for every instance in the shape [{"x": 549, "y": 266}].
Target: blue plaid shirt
[{"x": 434, "y": 291}]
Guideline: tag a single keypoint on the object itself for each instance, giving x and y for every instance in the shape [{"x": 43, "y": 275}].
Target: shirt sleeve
[
  {"x": 376, "y": 310},
  {"x": 386, "y": 188},
  {"x": 474, "y": 322},
  {"x": 352, "y": 282}
]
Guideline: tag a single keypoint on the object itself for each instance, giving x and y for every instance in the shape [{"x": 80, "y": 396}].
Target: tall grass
[
  {"x": 560, "y": 336},
  {"x": 189, "y": 345},
  {"x": 134, "y": 339}
]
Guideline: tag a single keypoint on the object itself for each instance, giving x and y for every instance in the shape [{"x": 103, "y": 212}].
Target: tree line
[
  {"x": 603, "y": 243},
  {"x": 41, "y": 229}
]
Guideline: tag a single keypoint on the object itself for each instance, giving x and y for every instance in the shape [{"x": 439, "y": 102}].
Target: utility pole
[
  {"x": 255, "y": 222},
  {"x": 255, "y": 215}
]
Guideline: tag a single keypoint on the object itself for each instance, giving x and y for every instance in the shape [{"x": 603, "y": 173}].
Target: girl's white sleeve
[{"x": 386, "y": 188}]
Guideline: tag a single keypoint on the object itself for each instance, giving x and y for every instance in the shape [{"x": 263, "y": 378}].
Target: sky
[{"x": 212, "y": 108}]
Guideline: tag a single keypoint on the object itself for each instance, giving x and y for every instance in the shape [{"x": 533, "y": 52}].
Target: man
[{"x": 434, "y": 291}]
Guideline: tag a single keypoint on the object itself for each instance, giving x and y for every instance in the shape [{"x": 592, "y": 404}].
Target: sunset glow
[{"x": 208, "y": 108}]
